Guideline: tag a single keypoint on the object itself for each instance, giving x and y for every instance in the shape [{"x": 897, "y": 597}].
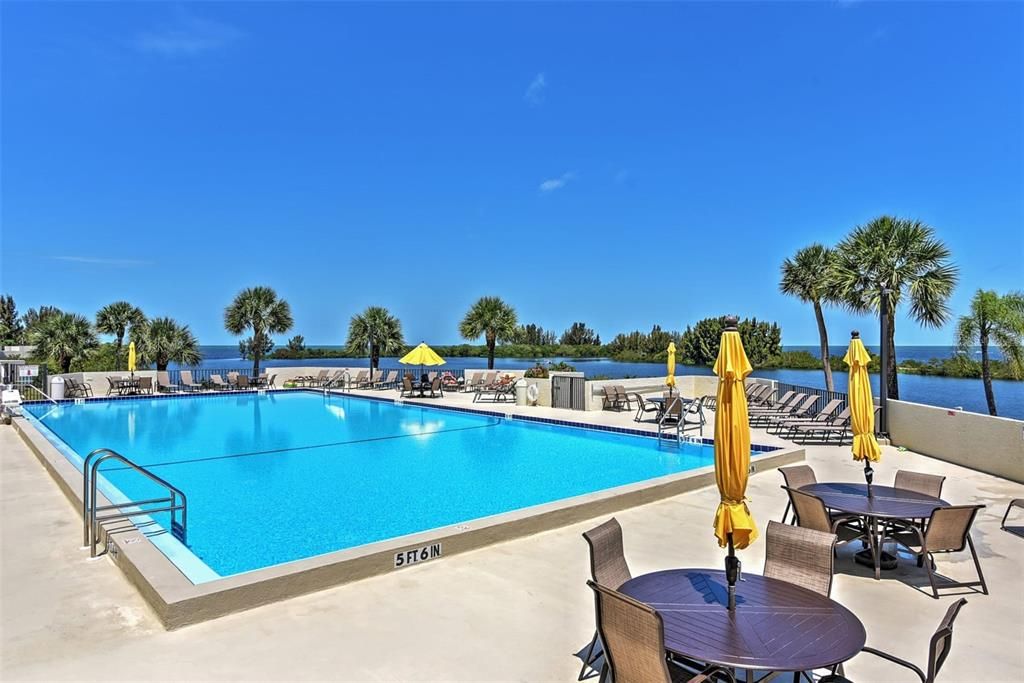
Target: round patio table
[
  {"x": 885, "y": 502},
  {"x": 776, "y": 626}
]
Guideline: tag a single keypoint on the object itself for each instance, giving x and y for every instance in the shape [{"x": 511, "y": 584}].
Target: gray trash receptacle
[
  {"x": 521, "y": 392},
  {"x": 57, "y": 388}
]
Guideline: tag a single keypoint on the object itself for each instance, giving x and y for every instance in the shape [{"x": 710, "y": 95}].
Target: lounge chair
[
  {"x": 335, "y": 380},
  {"x": 608, "y": 568},
  {"x": 360, "y": 378},
  {"x": 840, "y": 426},
  {"x": 450, "y": 382},
  {"x": 218, "y": 383},
  {"x": 948, "y": 530},
  {"x": 163, "y": 382},
  {"x": 497, "y": 392},
  {"x": 785, "y": 424},
  {"x": 368, "y": 382},
  {"x": 645, "y": 407},
  {"x": 389, "y": 381},
  {"x": 475, "y": 380},
  {"x": 938, "y": 649},
  {"x": 797, "y": 407},
  {"x": 185, "y": 378},
  {"x": 233, "y": 379},
  {"x": 768, "y": 404},
  {"x": 319, "y": 380},
  {"x": 803, "y": 557}
]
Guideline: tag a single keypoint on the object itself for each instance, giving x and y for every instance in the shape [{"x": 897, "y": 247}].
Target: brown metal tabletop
[
  {"x": 777, "y": 626},
  {"x": 885, "y": 502}
]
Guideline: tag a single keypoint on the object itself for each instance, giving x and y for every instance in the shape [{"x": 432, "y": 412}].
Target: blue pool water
[{"x": 280, "y": 477}]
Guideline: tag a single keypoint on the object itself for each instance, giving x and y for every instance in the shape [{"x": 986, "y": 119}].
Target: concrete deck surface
[{"x": 517, "y": 611}]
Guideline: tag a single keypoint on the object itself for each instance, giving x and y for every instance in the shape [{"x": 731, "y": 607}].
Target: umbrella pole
[
  {"x": 869, "y": 474},
  {"x": 732, "y": 573}
]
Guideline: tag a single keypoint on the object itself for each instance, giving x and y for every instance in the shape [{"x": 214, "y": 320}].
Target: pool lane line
[{"x": 303, "y": 448}]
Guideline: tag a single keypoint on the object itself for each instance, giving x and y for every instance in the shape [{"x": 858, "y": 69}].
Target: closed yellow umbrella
[
  {"x": 734, "y": 525},
  {"x": 670, "y": 378},
  {"x": 862, "y": 406},
  {"x": 131, "y": 358}
]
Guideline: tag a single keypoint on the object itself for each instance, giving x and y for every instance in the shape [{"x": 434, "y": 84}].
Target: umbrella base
[{"x": 886, "y": 561}]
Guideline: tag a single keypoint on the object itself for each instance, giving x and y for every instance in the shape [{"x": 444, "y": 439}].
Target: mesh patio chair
[
  {"x": 919, "y": 482},
  {"x": 796, "y": 477},
  {"x": 607, "y": 567},
  {"x": 693, "y": 416},
  {"x": 1015, "y": 530},
  {"x": 634, "y": 635},
  {"x": 800, "y": 556},
  {"x": 145, "y": 385},
  {"x": 242, "y": 382},
  {"x": 811, "y": 513},
  {"x": 948, "y": 530},
  {"x": 643, "y": 407},
  {"x": 938, "y": 649},
  {"x": 611, "y": 398},
  {"x": 185, "y": 377}
]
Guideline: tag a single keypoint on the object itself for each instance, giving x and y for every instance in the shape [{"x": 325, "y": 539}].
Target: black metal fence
[
  {"x": 31, "y": 388},
  {"x": 201, "y": 375},
  {"x": 824, "y": 395}
]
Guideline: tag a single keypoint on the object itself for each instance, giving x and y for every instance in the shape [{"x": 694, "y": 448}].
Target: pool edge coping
[{"x": 178, "y": 602}]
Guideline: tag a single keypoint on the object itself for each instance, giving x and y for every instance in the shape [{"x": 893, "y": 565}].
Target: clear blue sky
[{"x": 600, "y": 162}]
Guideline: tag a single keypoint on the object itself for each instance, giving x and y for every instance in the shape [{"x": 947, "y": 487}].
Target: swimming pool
[{"x": 277, "y": 477}]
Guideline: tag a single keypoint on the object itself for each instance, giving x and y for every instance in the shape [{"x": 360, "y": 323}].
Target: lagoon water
[{"x": 946, "y": 392}]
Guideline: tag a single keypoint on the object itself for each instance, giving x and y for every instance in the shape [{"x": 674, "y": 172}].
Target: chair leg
[
  {"x": 931, "y": 573},
  {"x": 588, "y": 659},
  {"x": 786, "y": 512},
  {"x": 977, "y": 565}
]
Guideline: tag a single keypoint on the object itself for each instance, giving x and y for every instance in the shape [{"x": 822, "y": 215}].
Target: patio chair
[
  {"x": 760, "y": 395},
  {"x": 796, "y": 477},
  {"x": 319, "y": 379},
  {"x": 622, "y": 396},
  {"x": 611, "y": 398},
  {"x": 270, "y": 381},
  {"x": 801, "y": 556},
  {"x": 185, "y": 378},
  {"x": 644, "y": 407},
  {"x": 769, "y": 404},
  {"x": 358, "y": 379},
  {"x": 242, "y": 382},
  {"x": 82, "y": 389},
  {"x": 367, "y": 381},
  {"x": 840, "y": 426},
  {"x": 920, "y": 482},
  {"x": 811, "y": 513},
  {"x": 1015, "y": 530},
  {"x": 112, "y": 385},
  {"x": 335, "y": 380},
  {"x": 608, "y": 567},
  {"x": 497, "y": 392},
  {"x": 436, "y": 388},
  {"x": 163, "y": 382},
  {"x": 232, "y": 378},
  {"x": 938, "y": 649},
  {"x": 634, "y": 638},
  {"x": 218, "y": 383},
  {"x": 781, "y": 424},
  {"x": 693, "y": 416},
  {"x": 407, "y": 387},
  {"x": 145, "y": 385},
  {"x": 948, "y": 530}
]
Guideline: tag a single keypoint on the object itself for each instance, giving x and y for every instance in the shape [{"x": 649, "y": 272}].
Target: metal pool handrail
[{"x": 90, "y": 470}]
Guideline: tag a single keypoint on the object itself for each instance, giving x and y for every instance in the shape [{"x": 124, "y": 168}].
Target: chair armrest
[{"x": 896, "y": 660}]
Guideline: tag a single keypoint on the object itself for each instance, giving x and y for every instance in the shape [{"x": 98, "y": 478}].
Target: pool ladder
[{"x": 174, "y": 503}]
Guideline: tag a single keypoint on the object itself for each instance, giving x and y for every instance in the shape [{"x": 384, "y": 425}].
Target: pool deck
[{"x": 515, "y": 611}]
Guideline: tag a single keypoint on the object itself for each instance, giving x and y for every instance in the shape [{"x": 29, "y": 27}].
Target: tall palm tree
[
  {"x": 258, "y": 309},
  {"x": 904, "y": 258},
  {"x": 999, "y": 319},
  {"x": 377, "y": 330},
  {"x": 64, "y": 338},
  {"x": 493, "y": 318},
  {"x": 805, "y": 276},
  {"x": 164, "y": 341},
  {"x": 115, "y": 319}
]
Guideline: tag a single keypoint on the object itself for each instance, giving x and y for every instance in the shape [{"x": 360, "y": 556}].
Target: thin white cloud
[
  {"x": 552, "y": 184},
  {"x": 535, "y": 91},
  {"x": 101, "y": 261},
  {"x": 187, "y": 37}
]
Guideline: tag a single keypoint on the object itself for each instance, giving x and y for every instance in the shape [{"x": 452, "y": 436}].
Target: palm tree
[
  {"x": 164, "y": 341},
  {"x": 377, "y": 330},
  {"x": 115, "y": 319},
  {"x": 805, "y": 276},
  {"x": 905, "y": 259},
  {"x": 260, "y": 310},
  {"x": 64, "y": 338},
  {"x": 998, "y": 319},
  {"x": 493, "y": 318}
]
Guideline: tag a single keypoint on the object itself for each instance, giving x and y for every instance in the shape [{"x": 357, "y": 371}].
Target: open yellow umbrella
[
  {"x": 670, "y": 378},
  {"x": 734, "y": 526},
  {"x": 421, "y": 355},
  {"x": 862, "y": 407},
  {"x": 131, "y": 358}
]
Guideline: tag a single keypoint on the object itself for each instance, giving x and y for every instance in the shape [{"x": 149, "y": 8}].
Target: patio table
[
  {"x": 776, "y": 626},
  {"x": 885, "y": 502},
  {"x": 125, "y": 386}
]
